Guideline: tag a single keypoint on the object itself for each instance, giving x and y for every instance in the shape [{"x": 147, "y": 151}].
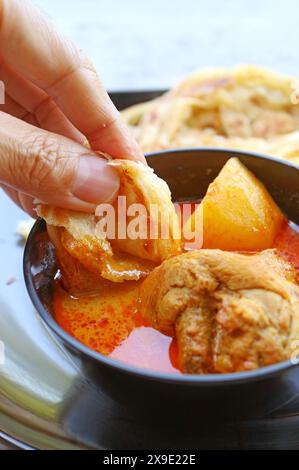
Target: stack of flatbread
[{"x": 245, "y": 107}]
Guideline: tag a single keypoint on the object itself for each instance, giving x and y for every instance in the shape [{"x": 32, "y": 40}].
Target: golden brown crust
[{"x": 76, "y": 278}]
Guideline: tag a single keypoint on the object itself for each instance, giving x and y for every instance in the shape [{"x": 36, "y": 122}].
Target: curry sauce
[{"x": 110, "y": 322}]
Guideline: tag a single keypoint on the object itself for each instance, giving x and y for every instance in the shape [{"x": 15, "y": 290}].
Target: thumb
[{"x": 53, "y": 168}]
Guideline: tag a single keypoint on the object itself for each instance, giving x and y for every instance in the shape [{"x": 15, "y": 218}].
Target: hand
[{"x": 54, "y": 104}]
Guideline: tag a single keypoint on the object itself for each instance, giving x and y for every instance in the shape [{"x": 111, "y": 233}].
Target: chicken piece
[
  {"x": 229, "y": 312},
  {"x": 79, "y": 235}
]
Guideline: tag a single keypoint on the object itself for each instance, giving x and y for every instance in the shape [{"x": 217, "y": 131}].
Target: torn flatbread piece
[{"x": 81, "y": 236}]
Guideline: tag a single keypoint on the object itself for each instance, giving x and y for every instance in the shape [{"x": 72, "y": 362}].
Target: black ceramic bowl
[{"x": 188, "y": 173}]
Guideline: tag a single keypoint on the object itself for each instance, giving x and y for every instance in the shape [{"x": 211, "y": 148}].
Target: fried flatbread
[{"x": 245, "y": 107}]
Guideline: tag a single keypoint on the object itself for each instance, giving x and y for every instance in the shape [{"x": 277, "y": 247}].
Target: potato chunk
[{"x": 238, "y": 212}]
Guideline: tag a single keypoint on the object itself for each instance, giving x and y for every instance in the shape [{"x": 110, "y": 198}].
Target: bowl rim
[{"x": 116, "y": 364}]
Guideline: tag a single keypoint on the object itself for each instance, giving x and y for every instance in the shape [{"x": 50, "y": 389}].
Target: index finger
[{"x": 57, "y": 66}]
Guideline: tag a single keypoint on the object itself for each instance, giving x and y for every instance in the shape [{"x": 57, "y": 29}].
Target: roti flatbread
[{"x": 245, "y": 107}]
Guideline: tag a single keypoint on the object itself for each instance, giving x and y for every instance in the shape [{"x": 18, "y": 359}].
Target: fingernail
[{"x": 96, "y": 182}]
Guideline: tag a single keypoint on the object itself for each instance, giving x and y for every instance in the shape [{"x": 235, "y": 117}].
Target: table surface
[{"x": 14, "y": 295}]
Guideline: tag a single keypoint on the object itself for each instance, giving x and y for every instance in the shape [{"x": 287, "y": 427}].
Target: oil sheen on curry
[{"x": 230, "y": 304}]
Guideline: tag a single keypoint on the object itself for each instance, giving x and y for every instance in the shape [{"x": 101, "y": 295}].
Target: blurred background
[{"x": 137, "y": 44}]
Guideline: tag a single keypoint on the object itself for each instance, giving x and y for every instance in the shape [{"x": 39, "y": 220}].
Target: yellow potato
[{"x": 238, "y": 212}]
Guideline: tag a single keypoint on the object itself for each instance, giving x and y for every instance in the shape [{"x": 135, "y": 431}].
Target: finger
[
  {"x": 30, "y": 119},
  {"x": 23, "y": 98},
  {"x": 55, "y": 65},
  {"x": 52, "y": 168},
  {"x": 27, "y": 204},
  {"x": 13, "y": 108},
  {"x": 51, "y": 118}
]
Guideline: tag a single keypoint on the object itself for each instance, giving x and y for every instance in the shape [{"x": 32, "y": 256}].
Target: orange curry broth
[{"x": 111, "y": 323}]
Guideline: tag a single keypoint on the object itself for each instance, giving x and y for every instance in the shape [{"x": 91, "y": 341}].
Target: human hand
[{"x": 54, "y": 104}]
